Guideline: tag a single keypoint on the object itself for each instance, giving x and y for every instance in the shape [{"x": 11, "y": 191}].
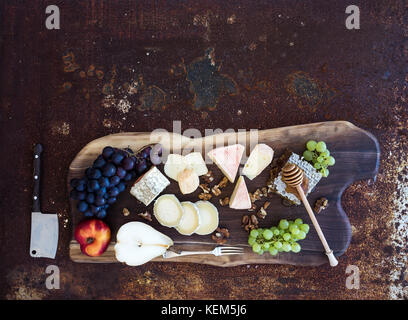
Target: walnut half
[
  {"x": 208, "y": 177},
  {"x": 320, "y": 205},
  {"x": 205, "y": 196},
  {"x": 220, "y": 235},
  {"x": 225, "y": 201},
  {"x": 145, "y": 215},
  {"x": 261, "y": 213},
  {"x": 249, "y": 222}
]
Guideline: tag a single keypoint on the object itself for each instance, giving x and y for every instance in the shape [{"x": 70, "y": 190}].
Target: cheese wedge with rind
[
  {"x": 177, "y": 163},
  {"x": 174, "y": 165},
  {"x": 168, "y": 210},
  {"x": 149, "y": 186},
  {"x": 195, "y": 161},
  {"x": 188, "y": 181},
  {"x": 190, "y": 221},
  {"x": 228, "y": 159},
  {"x": 261, "y": 157},
  {"x": 240, "y": 197},
  {"x": 208, "y": 217}
]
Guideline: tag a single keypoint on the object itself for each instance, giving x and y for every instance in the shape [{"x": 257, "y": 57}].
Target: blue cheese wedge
[
  {"x": 311, "y": 173},
  {"x": 149, "y": 186}
]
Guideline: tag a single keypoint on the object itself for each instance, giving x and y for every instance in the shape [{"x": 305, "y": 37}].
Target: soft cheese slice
[
  {"x": 190, "y": 221},
  {"x": 174, "y": 165},
  {"x": 261, "y": 156},
  {"x": 208, "y": 217},
  {"x": 240, "y": 197},
  {"x": 195, "y": 161},
  {"x": 188, "y": 181},
  {"x": 228, "y": 159},
  {"x": 168, "y": 210}
]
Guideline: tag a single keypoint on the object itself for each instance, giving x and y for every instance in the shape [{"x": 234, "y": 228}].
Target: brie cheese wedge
[
  {"x": 240, "y": 197},
  {"x": 228, "y": 159}
]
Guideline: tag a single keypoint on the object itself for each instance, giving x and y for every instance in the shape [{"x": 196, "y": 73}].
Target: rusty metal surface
[{"x": 136, "y": 66}]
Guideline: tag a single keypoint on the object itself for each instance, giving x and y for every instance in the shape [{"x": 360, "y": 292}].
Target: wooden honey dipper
[{"x": 292, "y": 175}]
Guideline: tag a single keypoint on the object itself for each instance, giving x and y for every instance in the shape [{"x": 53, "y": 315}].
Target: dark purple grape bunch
[{"x": 108, "y": 176}]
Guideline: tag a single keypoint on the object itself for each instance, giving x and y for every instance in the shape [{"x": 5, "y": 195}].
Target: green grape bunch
[
  {"x": 281, "y": 238},
  {"x": 318, "y": 154}
]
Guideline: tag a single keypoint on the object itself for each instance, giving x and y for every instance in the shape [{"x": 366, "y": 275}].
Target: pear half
[{"x": 138, "y": 243}]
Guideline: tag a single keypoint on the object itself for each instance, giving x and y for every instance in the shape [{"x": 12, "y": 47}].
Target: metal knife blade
[
  {"x": 44, "y": 235},
  {"x": 44, "y": 226}
]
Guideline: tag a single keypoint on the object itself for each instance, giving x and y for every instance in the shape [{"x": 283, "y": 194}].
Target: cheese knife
[{"x": 44, "y": 226}]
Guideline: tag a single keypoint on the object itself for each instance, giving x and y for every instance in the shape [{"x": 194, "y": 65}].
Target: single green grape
[
  {"x": 276, "y": 231},
  {"x": 304, "y": 227},
  {"x": 256, "y": 247},
  {"x": 321, "y": 146},
  {"x": 320, "y": 159},
  {"x": 325, "y": 172},
  {"x": 251, "y": 240},
  {"x": 260, "y": 231},
  {"x": 294, "y": 229},
  {"x": 283, "y": 224},
  {"x": 331, "y": 161},
  {"x": 254, "y": 233},
  {"x": 298, "y": 221},
  {"x": 301, "y": 235},
  {"x": 273, "y": 251},
  {"x": 286, "y": 236},
  {"x": 308, "y": 155},
  {"x": 317, "y": 165},
  {"x": 267, "y": 234},
  {"x": 286, "y": 247},
  {"x": 294, "y": 237},
  {"x": 325, "y": 154},
  {"x": 295, "y": 232},
  {"x": 281, "y": 232},
  {"x": 296, "y": 247},
  {"x": 265, "y": 246},
  {"x": 311, "y": 145},
  {"x": 277, "y": 244}
]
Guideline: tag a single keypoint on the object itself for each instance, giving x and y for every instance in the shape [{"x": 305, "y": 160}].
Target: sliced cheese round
[
  {"x": 168, "y": 210},
  {"x": 208, "y": 217},
  {"x": 190, "y": 221},
  {"x": 174, "y": 165}
]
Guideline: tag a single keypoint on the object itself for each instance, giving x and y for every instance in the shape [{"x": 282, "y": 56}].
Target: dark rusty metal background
[{"x": 137, "y": 66}]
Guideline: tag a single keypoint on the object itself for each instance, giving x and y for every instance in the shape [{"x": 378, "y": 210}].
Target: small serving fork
[{"x": 218, "y": 251}]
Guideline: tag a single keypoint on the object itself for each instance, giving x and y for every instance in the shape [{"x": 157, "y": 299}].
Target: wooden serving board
[{"x": 357, "y": 157}]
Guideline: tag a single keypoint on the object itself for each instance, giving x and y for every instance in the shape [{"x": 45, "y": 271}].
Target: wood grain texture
[{"x": 357, "y": 157}]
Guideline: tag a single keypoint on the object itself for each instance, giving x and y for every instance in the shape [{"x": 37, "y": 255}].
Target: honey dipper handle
[{"x": 332, "y": 259}]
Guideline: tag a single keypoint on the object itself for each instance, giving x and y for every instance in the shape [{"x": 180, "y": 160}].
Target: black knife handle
[{"x": 37, "y": 174}]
